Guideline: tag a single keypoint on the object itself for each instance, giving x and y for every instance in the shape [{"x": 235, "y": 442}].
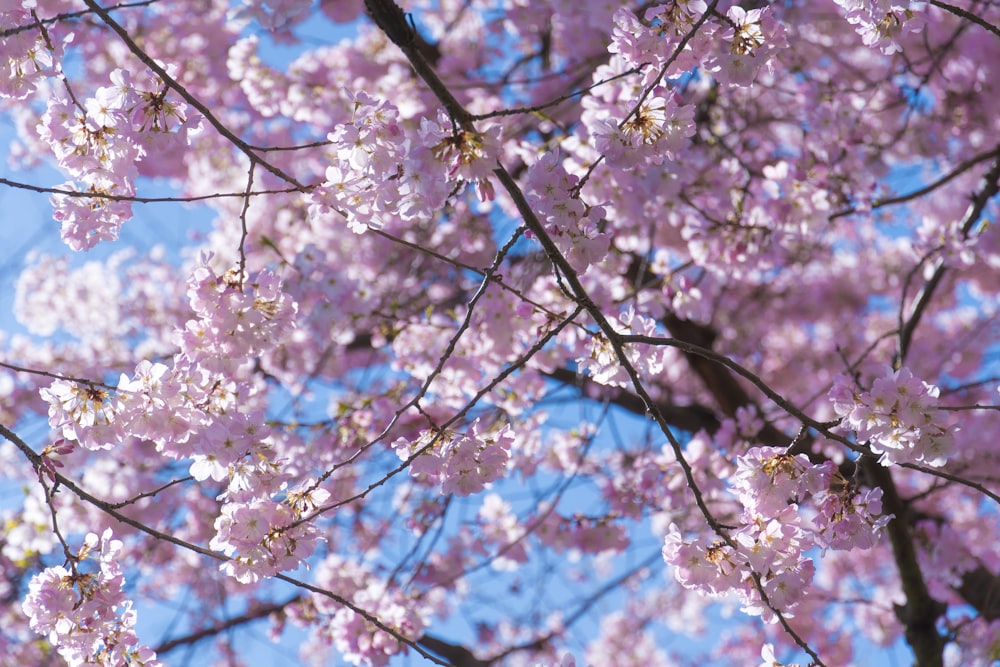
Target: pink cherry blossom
[
  {"x": 541, "y": 333},
  {"x": 85, "y": 614},
  {"x": 896, "y": 418}
]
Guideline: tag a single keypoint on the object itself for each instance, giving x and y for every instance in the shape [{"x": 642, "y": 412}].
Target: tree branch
[
  {"x": 920, "y": 612},
  {"x": 457, "y": 656},
  {"x": 254, "y": 614},
  {"x": 690, "y": 418},
  {"x": 967, "y": 15},
  {"x": 981, "y": 589},
  {"x": 989, "y": 186}
]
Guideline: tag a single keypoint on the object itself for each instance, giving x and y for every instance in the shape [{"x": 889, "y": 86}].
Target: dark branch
[
  {"x": 920, "y": 612},
  {"x": 457, "y": 656},
  {"x": 981, "y": 589},
  {"x": 391, "y": 20},
  {"x": 689, "y": 418},
  {"x": 254, "y": 614},
  {"x": 967, "y": 15},
  {"x": 989, "y": 187}
]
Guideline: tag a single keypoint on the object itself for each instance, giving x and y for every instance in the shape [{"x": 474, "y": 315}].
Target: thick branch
[
  {"x": 981, "y": 589},
  {"x": 920, "y": 612},
  {"x": 728, "y": 393},
  {"x": 395, "y": 24},
  {"x": 689, "y": 418}
]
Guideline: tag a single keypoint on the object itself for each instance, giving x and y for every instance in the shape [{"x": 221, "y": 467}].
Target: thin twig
[
  {"x": 146, "y": 200},
  {"x": 66, "y": 16},
  {"x": 967, "y": 15}
]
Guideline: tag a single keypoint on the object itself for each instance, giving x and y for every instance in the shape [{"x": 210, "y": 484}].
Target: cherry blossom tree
[{"x": 541, "y": 332}]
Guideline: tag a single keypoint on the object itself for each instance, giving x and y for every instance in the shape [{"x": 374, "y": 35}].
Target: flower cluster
[
  {"x": 753, "y": 37},
  {"x": 90, "y": 312},
  {"x": 83, "y": 413},
  {"x": 797, "y": 198},
  {"x": 467, "y": 156},
  {"x": 582, "y": 534},
  {"x": 708, "y": 565},
  {"x": 603, "y": 363},
  {"x": 259, "y": 526},
  {"x": 500, "y": 526},
  {"x": 29, "y": 56},
  {"x": 98, "y": 417},
  {"x": 100, "y": 143},
  {"x": 363, "y": 182},
  {"x": 849, "y": 518},
  {"x": 768, "y": 481},
  {"x": 462, "y": 464},
  {"x": 733, "y": 48},
  {"x": 773, "y": 534},
  {"x": 767, "y": 653},
  {"x": 86, "y": 614},
  {"x": 233, "y": 322},
  {"x": 653, "y": 38},
  {"x": 625, "y": 639},
  {"x": 262, "y": 537},
  {"x": 573, "y": 225},
  {"x": 899, "y": 418},
  {"x": 382, "y": 172},
  {"x": 772, "y": 549},
  {"x": 655, "y": 131},
  {"x": 358, "y": 640},
  {"x": 882, "y": 22}
]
